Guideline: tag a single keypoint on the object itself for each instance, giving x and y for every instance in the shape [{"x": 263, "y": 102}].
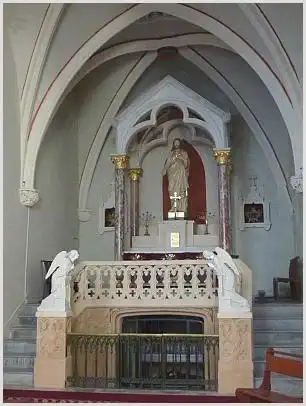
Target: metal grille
[{"x": 144, "y": 361}]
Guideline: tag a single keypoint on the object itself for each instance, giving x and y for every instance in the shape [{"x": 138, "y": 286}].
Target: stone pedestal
[
  {"x": 235, "y": 368},
  {"x": 52, "y": 366}
]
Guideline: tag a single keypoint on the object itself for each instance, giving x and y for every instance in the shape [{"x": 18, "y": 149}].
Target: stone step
[
  {"x": 292, "y": 323},
  {"x": 277, "y": 337},
  {"x": 29, "y": 309},
  {"x": 259, "y": 367},
  {"x": 19, "y": 346},
  {"x": 259, "y": 351},
  {"x": 23, "y": 379},
  {"x": 18, "y": 362},
  {"x": 27, "y": 320},
  {"x": 277, "y": 310},
  {"x": 23, "y": 332},
  {"x": 282, "y": 384}
]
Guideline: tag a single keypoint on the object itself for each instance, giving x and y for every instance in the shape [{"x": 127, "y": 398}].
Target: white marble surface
[{"x": 189, "y": 241}]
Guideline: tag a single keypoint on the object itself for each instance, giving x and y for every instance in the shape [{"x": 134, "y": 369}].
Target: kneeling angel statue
[
  {"x": 59, "y": 299},
  {"x": 229, "y": 279}
]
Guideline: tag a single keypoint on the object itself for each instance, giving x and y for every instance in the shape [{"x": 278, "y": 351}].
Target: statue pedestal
[
  {"x": 235, "y": 366},
  {"x": 52, "y": 362},
  {"x": 174, "y": 235}
]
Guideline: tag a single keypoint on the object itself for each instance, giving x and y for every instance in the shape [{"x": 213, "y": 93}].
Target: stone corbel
[
  {"x": 297, "y": 181},
  {"x": 84, "y": 215},
  {"x": 28, "y": 197}
]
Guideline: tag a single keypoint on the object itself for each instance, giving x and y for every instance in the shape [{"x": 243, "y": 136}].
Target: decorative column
[
  {"x": 121, "y": 163},
  {"x": 222, "y": 157},
  {"x": 134, "y": 175}
]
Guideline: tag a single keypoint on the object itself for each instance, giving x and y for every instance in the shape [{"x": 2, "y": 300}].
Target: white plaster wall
[
  {"x": 287, "y": 21},
  {"x": 186, "y": 73},
  {"x": 79, "y": 22},
  {"x": 93, "y": 246},
  {"x": 53, "y": 221},
  {"x": 94, "y": 95},
  {"x": 267, "y": 253},
  {"x": 23, "y": 21},
  {"x": 249, "y": 86},
  {"x": 14, "y": 214},
  {"x": 297, "y": 203},
  {"x": 233, "y": 17}
]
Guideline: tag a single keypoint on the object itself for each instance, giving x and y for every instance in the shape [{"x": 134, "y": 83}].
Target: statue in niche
[{"x": 177, "y": 169}]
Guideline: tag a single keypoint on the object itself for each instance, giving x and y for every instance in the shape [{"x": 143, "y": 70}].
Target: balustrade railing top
[{"x": 144, "y": 283}]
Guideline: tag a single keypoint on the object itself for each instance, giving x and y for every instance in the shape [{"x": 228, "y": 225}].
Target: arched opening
[
  {"x": 162, "y": 324},
  {"x": 164, "y": 351}
]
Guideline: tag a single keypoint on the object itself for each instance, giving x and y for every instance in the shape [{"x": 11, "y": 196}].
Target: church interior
[{"x": 153, "y": 165}]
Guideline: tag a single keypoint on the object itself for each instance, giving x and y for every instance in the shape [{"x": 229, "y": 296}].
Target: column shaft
[
  {"x": 223, "y": 159},
  {"x": 134, "y": 175},
  {"x": 121, "y": 163}
]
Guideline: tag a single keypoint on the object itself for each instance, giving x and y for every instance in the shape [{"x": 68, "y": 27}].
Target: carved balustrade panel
[{"x": 145, "y": 283}]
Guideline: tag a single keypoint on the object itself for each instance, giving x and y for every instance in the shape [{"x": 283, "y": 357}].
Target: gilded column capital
[
  {"x": 120, "y": 161},
  {"x": 222, "y": 156},
  {"x": 135, "y": 173}
]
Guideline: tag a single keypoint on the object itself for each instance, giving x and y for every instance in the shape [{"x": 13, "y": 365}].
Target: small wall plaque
[
  {"x": 254, "y": 210},
  {"x": 175, "y": 240},
  {"x": 109, "y": 217},
  {"x": 107, "y": 213}
]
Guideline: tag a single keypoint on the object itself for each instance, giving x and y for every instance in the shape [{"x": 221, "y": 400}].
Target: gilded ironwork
[
  {"x": 135, "y": 174},
  {"x": 223, "y": 156},
  {"x": 147, "y": 361},
  {"x": 120, "y": 161}
]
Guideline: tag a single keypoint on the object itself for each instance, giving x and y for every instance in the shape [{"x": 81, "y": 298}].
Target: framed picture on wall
[
  {"x": 253, "y": 213},
  {"x": 254, "y": 209},
  {"x": 109, "y": 217},
  {"x": 106, "y": 218}
]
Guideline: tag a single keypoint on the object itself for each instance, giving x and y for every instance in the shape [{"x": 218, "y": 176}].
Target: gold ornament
[
  {"x": 135, "y": 173},
  {"x": 222, "y": 156},
  {"x": 120, "y": 161}
]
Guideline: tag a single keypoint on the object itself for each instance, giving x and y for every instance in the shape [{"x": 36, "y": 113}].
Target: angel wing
[
  {"x": 58, "y": 260},
  {"x": 208, "y": 254},
  {"x": 227, "y": 260}
]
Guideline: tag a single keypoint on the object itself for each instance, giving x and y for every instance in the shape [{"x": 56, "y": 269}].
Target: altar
[{"x": 175, "y": 236}]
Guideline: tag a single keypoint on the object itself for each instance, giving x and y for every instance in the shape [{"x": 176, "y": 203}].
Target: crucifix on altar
[{"x": 175, "y": 214}]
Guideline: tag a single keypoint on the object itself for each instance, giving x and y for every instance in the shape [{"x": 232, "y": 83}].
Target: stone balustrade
[{"x": 179, "y": 283}]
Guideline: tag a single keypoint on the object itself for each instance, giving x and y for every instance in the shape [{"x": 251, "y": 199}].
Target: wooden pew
[
  {"x": 278, "y": 362},
  {"x": 295, "y": 281}
]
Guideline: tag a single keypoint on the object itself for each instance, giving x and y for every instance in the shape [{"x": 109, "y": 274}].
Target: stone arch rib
[
  {"x": 107, "y": 123},
  {"x": 246, "y": 113},
  {"x": 51, "y": 100}
]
